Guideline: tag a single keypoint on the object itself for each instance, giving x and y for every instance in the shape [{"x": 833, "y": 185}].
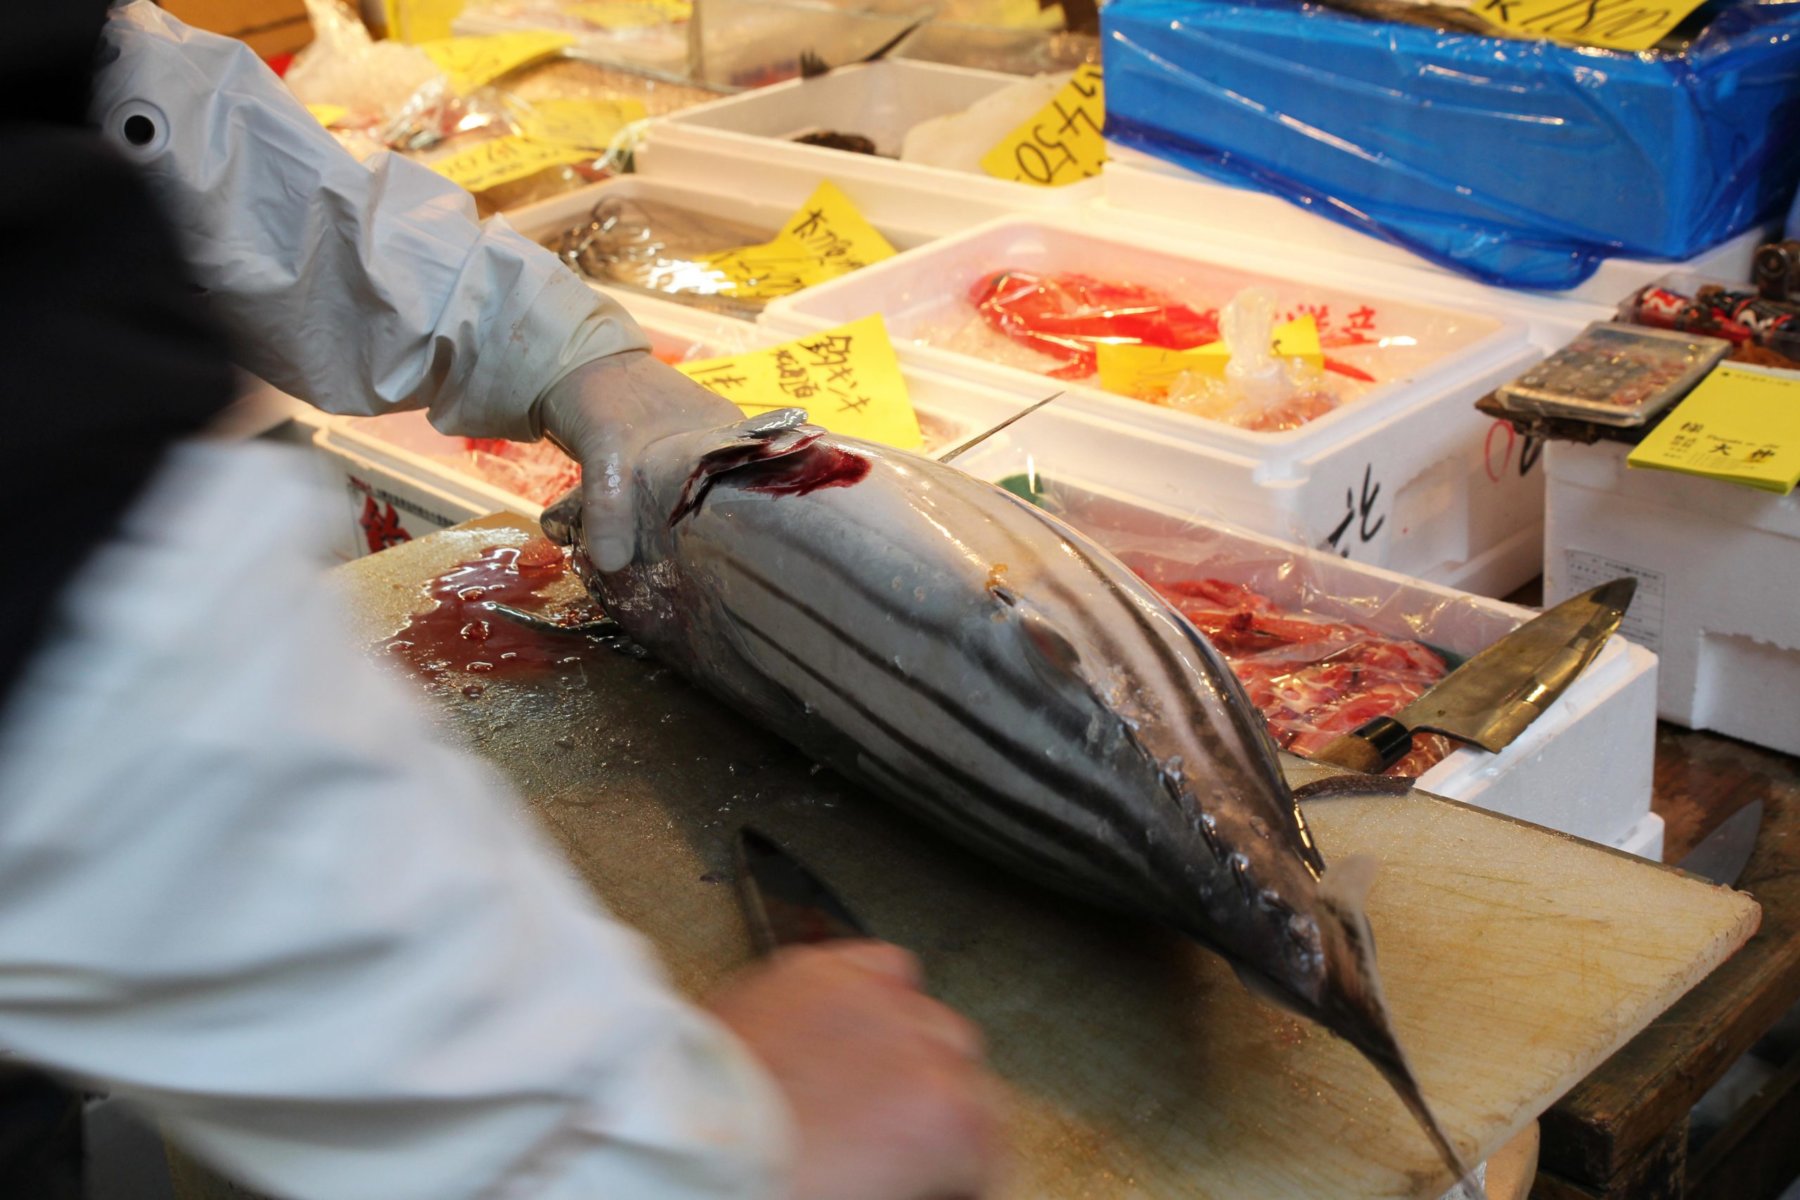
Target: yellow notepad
[{"x": 1742, "y": 425}]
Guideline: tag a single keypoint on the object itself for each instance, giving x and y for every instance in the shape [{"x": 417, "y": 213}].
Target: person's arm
[
  {"x": 242, "y": 885},
  {"x": 358, "y": 288},
  {"x": 364, "y": 289}
]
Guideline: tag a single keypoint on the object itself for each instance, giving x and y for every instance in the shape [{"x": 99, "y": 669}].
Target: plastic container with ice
[
  {"x": 747, "y": 143},
  {"x": 1399, "y": 470}
]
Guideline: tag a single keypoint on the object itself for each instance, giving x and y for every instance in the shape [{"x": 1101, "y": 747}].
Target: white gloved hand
[{"x": 603, "y": 414}]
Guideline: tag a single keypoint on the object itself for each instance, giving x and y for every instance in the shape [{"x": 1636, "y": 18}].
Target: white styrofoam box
[
  {"x": 1409, "y": 476},
  {"x": 768, "y": 205},
  {"x": 1645, "y": 839},
  {"x": 744, "y": 142},
  {"x": 385, "y": 502},
  {"x": 1718, "y": 571},
  {"x": 1583, "y": 767},
  {"x": 1164, "y": 190}
]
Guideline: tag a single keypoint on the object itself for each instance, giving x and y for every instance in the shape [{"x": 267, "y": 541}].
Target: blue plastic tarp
[{"x": 1523, "y": 163}]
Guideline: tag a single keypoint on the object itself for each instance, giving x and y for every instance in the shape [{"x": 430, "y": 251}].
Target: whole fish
[{"x": 977, "y": 661}]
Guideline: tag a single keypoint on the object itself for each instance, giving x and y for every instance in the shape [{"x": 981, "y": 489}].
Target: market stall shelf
[{"x": 1136, "y": 1065}]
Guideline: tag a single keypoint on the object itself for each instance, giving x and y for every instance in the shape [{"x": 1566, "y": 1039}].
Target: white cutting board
[{"x": 1515, "y": 959}]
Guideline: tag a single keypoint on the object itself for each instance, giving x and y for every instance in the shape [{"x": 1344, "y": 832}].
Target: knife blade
[
  {"x": 785, "y": 903},
  {"x": 1496, "y": 695},
  {"x": 1723, "y": 854}
]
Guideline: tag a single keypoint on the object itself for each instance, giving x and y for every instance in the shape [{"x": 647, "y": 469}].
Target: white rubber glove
[{"x": 603, "y": 414}]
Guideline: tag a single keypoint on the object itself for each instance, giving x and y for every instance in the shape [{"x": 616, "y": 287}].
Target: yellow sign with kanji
[
  {"x": 591, "y": 124},
  {"x": 827, "y": 238},
  {"x": 1612, "y": 24},
  {"x": 1063, "y": 144},
  {"x": 328, "y": 114},
  {"x": 503, "y": 160},
  {"x": 1134, "y": 369},
  {"x": 1742, "y": 425},
  {"x": 473, "y": 62},
  {"x": 421, "y": 20},
  {"x": 847, "y": 379}
]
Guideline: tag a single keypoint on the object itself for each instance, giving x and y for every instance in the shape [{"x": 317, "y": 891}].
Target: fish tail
[{"x": 1357, "y": 1009}]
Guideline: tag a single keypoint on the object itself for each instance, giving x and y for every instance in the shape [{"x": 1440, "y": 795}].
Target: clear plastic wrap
[
  {"x": 1522, "y": 163},
  {"x": 1321, "y": 645}
]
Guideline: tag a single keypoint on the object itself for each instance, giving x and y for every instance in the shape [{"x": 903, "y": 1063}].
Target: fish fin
[
  {"x": 1352, "y": 785},
  {"x": 715, "y": 452},
  {"x": 990, "y": 431},
  {"x": 561, "y": 521},
  {"x": 1354, "y": 1006}
]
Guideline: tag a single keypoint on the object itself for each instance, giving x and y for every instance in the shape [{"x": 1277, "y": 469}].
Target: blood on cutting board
[{"x": 461, "y": 635}]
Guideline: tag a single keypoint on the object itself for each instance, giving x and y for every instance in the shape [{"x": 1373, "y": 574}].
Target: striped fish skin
[{"x": 1000, "y": 676}]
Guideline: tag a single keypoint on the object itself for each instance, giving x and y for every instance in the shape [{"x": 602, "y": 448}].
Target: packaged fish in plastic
[
  {"x": 1615, "y": 375},
  {"x": 1061, "y": 324},
  {"x": 660, "y": 249}
]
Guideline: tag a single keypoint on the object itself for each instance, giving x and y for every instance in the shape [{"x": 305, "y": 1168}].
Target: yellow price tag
[
  {"x": 471, "y": 62},
  {"x": 632, "y": 14},
  {"x": 328, "y": 114},
  {"x": 421, "y": 20},
  {"x": 1742, "y": 425},
  {"x": 592, "y": 124},
  {"x": 826, "y": 238},
  {"x": 503, "y": 160},
  {"x": 1063, "y": 143},
  {"x": 1612, "y": 24},
  {"x": 848, "y": 380},
  {"x": 1133, "y": 369}
]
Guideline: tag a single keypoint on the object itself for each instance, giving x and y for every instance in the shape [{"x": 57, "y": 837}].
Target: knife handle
[{"x": 1371, "y": 748}]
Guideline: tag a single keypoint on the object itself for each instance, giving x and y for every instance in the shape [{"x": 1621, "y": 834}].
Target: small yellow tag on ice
[{"x": 1132, "y": 369}]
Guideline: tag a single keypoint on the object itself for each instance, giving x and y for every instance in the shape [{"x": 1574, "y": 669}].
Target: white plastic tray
[
  {"x": 1144, "y": 185},
  {"x": 743, "y": 144},
  {"x": 1429, "y": 486},
  {"x": 1584, "y": 767}
]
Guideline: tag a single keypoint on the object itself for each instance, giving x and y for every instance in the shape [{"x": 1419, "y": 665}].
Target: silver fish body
[{"x": 1000, "y": 676}]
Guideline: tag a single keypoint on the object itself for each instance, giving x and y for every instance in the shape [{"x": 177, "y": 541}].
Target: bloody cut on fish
[
  {"x": 1312, "y": 677},
  {"x": 1000, "y": 676}
]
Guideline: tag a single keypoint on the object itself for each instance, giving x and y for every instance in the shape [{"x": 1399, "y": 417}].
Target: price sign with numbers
[
  {"x": 1742, "y": 425},
  {"x": 1613, "y": 24},
  {"x": 503, "y": 160},
  {"x": 847, "y": 379},
  {"x": 1063, "y": 143}
]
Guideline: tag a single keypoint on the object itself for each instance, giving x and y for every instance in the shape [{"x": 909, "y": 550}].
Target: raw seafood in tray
[
  {"x": 1313, "y": 677},
  {"x": 1066, "y": 324}
]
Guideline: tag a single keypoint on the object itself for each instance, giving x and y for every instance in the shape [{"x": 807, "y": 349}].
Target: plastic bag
[
  {"x": 660, "y": 249},
  {"x": 1520, "y": 163}
]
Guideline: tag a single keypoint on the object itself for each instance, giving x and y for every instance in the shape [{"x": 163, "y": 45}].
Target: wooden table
[{"x": 1623, "y": 1132}]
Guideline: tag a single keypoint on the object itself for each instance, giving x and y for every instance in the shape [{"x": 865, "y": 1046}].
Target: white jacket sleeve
[
  {"x": 241, "y": 884},
  {"x": 358, "y": 288}
]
